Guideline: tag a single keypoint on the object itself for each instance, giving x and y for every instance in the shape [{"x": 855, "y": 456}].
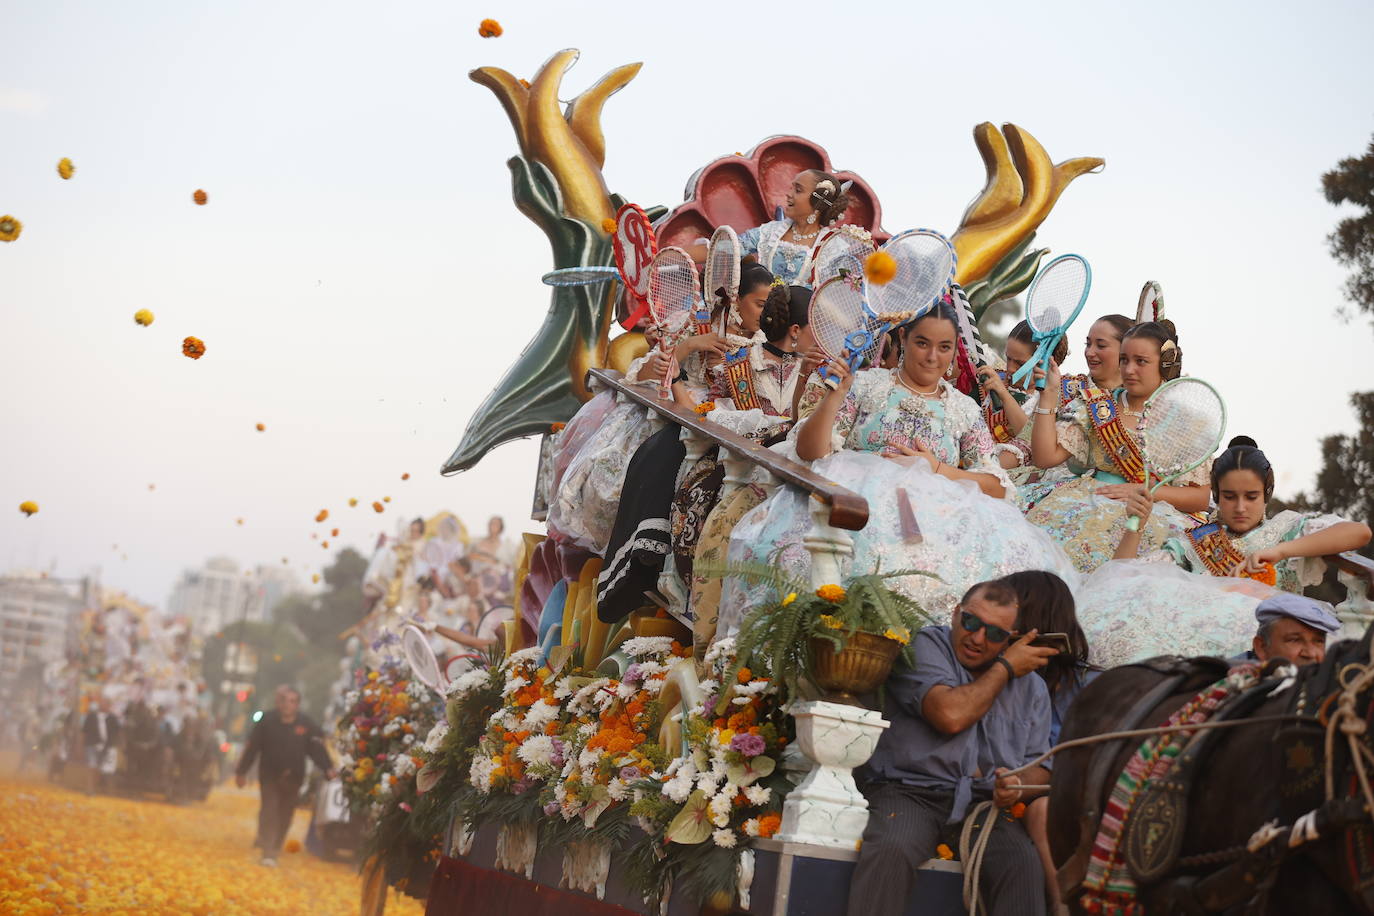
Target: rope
[
  {"x": 1352, "y": 725},
  {"x": 971, "y": 854}
]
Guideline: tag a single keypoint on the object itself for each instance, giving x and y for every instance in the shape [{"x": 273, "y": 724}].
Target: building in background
[
  {"x": 220, "y": 593},
  {"x": 37, "y": 616}
]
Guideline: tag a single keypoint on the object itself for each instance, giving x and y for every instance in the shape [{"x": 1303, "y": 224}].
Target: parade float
[{"x": 643, "y": 765}]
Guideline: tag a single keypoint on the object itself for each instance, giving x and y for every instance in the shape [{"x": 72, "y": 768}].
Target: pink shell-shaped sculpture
[{"x": 743, "y": 191}]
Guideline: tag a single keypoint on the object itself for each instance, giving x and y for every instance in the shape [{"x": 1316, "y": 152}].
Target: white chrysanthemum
[
  {"x": 435, "y": 738},
  {"x": 587, "y": 729},
  {"x": 647, "y": 645},
  {"x": 345, "y": 761},
  {"x": 513, "y": 684},
  {"x": 479, "y": 774},
  {"x": 468, "y": 682},
  {"x": 536, "y": 750},
  {"x": 589, "y": 758},
  {"x": 722, "y": 650},
  {"x": 404, "y": 766},
  {"x": 741, "y": 701},
  {"x": 679, "y": 787},
  {"x": 562, "y": 690},
  {"x": 751, "y": 826},
  {"x": 624, "y": 691},
  {"x": 723, "y": 838},
  {"x": 758, "y": 795},
  {"x": 523, "y": 657},
  {"x": 752, "y": 688},
  {"x": 719, "y": 808},
  {"x": 617, "y": 789},
  {"x": 707, "y": 783},
  {"x": 539, "y": 715}
]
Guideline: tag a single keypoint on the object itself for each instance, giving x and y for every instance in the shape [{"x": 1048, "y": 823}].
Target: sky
[{"x": 361, "y": 278}]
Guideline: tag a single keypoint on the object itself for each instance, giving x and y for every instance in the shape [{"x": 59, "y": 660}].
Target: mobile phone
[{"x": 1056, "y": 641}]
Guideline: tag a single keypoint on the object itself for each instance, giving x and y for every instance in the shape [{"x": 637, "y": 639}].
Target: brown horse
[{"x": 1267, "y": 770}]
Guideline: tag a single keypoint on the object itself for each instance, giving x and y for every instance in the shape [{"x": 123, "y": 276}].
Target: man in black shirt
[{"x": 282, "y": 739}]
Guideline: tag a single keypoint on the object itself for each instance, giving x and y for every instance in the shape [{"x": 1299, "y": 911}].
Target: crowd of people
[{"x": 1016, "y": 500}]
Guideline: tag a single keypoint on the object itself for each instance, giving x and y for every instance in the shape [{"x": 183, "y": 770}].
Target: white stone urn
[{"x": 827, "y": 809}]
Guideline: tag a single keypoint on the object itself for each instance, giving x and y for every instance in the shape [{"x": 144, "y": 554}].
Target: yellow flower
[
  {"x": 705, "y": 407},
  {"x": 608, "y": 225},
  {"x": 65, "y": 168},
  {"x": 832, "y": 593},
  {"x": 238, "y": 521},
  {"x": 903, "y": 636},
  {"x": 28, "y": 507},
  {"x": 880, "y": 267},
  {"x": 261, "y": 427},
  {"x": 833, "y": 623},
  {"x": 386, "y": 499},
  {"x": 353, "y": 501},
  {"x": 143, "y": 317},
  {"x": 322, "y": 515},
  {"x": 10, "y": 228},
  {"x": 193, "y": 347},
  {"x": 489, "y": 28},
  {"x": 200, "y": 197},
  {"x": 791, "y": 596},
  {"x": 315, "y": 578}
]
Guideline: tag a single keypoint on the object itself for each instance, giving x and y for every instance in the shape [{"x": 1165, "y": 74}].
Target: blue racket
[
  {"x": 841, "y": 322},
  {"x": 1056, "y": 296}
]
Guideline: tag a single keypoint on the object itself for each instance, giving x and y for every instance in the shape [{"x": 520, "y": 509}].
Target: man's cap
[{"x": 1309, "y": 611}]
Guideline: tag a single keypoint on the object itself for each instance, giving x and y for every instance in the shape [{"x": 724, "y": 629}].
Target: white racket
[
  {"x": 925, "y": 269},
  {"x": 722, "y": 277},
  {"x": 422, "y": 660},
  {"x": 1150, "y": 307},
  {"x": 1056, "y": 296},
  {"x": 839, "y": 251},
  {"x": 842, "y": 324},
  {"x": 674, "y": 296},
  {"x": 1181, "y": 426}
]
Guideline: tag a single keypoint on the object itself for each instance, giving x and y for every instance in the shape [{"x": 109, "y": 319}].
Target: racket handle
[
  {"x": 831, "y": 380},
  {"x": 666, "y": 392},
  {"x": 1133, "y": 523}
]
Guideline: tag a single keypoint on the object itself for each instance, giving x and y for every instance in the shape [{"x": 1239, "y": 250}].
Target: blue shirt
[{"x": 1012, "y": 733}]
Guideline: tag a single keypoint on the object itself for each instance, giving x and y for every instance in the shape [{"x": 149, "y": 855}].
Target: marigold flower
[
  {"x": 292, "y": 845},
  {"x": 10, "y": 228},
  {"x": 193, "y": 347},
  {"x": 323, "y": 514},
  {"x": 902, "y": 636},
  {"x": 200, "y": 197},
  {"x": 880, "y": 267},
  {"x": 405, "y": 476},
  {"x": 352, "y": 502},
  {"x": 769, "y": 824},
  {"x": 557, "y": 427},
  {"x": 1018, "y": 810},
  {"x": 261, "y": 427},
  {"x": 334, "y": 532},
  {"x": 386, "y": 499},
  {"x": 791, "y": 596},
  {"x": 833, "y": 623},
  {"x": 1267, "y": 574},
  {"x": 143, "y": 317},
  {"x": 832, "y": 593},
  {"x": 745, "y": 675},
  {"x": 705, "y": 407},
  {"x": 489, "y": 28},
  {"x": 944, "y": 852},
  {"x": 608, "y": 225},
  {"x": 65, "y": 168},
  {"x": 238, "y": 521},
  {"x": 28, "y": 507},
  {"x": 324, "y": 545},
  {"x": 525, "y": 83},
  {"x": 377, "y": 507}
]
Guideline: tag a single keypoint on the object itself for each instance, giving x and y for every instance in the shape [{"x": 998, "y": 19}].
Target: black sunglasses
[{"x": 973, "y": 624}]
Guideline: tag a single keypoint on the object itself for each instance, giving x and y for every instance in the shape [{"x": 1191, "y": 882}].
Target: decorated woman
[
  {"x": 920, "y": 453},
  {"x": 1007, "y": 405},
  {"x": 1100, "y": 432},
  {"x": 787, "y": 246}
]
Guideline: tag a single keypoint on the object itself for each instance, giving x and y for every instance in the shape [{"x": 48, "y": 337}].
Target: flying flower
[
  {"x": 705, "y": 407},
  {"x": 261, "y": 426},
  {"x": 323, "y": 514},
  {"x": 489, "y": 28},
  {"x": 28, "y": 507},
  {"x": 193, "y": 347},
  {"x": 386, "y": 499},
  {"x": 405, "y": 476},
  {"x": 315, "y": 578},
  {"x": 143, "y": 317},
  {"x": 377, "y": 507},
  {"x": 1018, "y": 810},
  {"x": 65, "y": 168},
  {"x": 944, "y": 852},
  {"x": 334, "y": 533},
  {"x": 324, "y": 545},
  {"x": 352, "y": 502},
  {"x": 238, "y": 521},
  {"x": 608, "y": 225},
  {"x": 200, "y": 197},
  {"x": 880, "y": 267},
  {"x": 832, "y": 593},
  {"x": 10, "y": 228}
]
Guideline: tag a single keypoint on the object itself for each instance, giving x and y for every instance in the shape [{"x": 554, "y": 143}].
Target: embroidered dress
[
  {"x": 917, "y": 519},
  {"x": 1100, "y": 438},
  {"x": 1200, "y": 549},
  {"x": 788, "y": 260}
]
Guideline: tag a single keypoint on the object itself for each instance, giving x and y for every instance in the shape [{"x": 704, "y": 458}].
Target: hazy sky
[{"x": 361, "y": 277}]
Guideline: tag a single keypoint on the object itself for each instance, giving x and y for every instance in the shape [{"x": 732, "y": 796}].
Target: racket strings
[
  {"x": 723, "y": 266},
  {"x": 1182, "y": 427},
  {"x": 841, "y": 255},
  {"x": 673, "y": 290},
  {"x": 925, "y": 268},
  {"x": 1056, "y": 294},
  {"x": 837, "y": 311}
]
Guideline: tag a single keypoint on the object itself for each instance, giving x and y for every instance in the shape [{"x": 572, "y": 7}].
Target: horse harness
[{"x": 1152, "y": 837}]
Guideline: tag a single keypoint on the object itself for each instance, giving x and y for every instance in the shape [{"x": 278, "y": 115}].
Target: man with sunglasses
[{"x": 962, "y": 715}]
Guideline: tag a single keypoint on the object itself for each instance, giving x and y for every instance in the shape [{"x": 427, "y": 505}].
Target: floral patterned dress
[
  {"x": 1088, "y": 526},
  {"x": 788, "y": 260},
  {"x": 917, "y": 519}
]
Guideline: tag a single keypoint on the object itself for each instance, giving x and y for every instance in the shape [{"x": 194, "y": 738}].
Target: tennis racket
[
  {"x": 1181, "y": 426},
  {"x": 925, "y": 269},
  {"x": 422, "y": 660},
  {"x": 1151, "y": 304},
  {"x": 634, "y": 245},
  {"x": 722, "y": 278},
  {"x": 842, "y": 324},
  {"x": 674, "y": 296},
  {"x": 1055, "y": 298},
  {"x": 580, "y": 276},
  {"x": 838, "y": 253}
]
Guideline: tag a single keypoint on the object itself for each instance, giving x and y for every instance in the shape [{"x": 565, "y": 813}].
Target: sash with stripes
[
  {"x": 1112, "y": 435},
  {"x": 1215, "y": 547},
  {"x": 739, "y": 378}
]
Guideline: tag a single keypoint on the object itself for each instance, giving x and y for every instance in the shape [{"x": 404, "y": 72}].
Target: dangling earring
[
  {"x": 952, "y": 372},
  {"x": 811, "y": 220}
]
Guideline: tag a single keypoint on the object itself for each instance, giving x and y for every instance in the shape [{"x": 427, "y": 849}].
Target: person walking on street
[{"x": 279, "y": 743}]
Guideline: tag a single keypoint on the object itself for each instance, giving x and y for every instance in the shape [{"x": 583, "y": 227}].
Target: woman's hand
[
  {"x": 841, "y": 371},
  {"x": 992, "y": 381},
  {"x": 1138, "y": 502},
  {"x": 910, "y": 456},
  {"x": 656, "y": 366},
  {"x": 811, "y": 360},
  {"x": 701, "y": 343},
  {"x": 1122, "y": 491},
  {"x": 1052, "y": 378},
  {"x": 1255, "y": 562}
]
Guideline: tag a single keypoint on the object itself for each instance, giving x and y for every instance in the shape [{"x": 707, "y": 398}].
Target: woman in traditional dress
[
  {"x": 1100, "y": 432},
  {"x": 786, "y": 247},
  {"x": 1197, "y": 595},
  {"x": 920, "y": 453},
  {"x": 1007, "y": 404}
]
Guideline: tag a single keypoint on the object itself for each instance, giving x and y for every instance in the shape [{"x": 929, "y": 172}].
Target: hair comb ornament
[{"x": 844, "y": 188}]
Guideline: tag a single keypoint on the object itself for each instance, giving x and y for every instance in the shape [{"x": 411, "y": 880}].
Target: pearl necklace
[
  {"x": 911, "y": 386},
  {"x": 803, "y": 237}
]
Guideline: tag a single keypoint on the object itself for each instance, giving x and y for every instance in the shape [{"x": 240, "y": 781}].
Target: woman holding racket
[
  {"x": 1101, "y": 433},
  {"x": 1008, "y": 406},
  {"x": 918, "y": 451}
]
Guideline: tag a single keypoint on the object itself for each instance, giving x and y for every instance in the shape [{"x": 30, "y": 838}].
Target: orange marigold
[
  {"x": 352, "y": 501},
  {"x": 557, "y": 427},
  {"x": 200, "y": 197},
  {"x": 292, "y": 845},
  {"x": 944, "y": 852},
  {"x": 334, "y": 532},
  {"x": 608, "y": 225},
  {"x": 405, "y": 476},
  {"x": 489, "y": 28},
  {"x": 1018, "y": 810},
  {"x": 705, "y": 407},
  {"x": 1268, "y": 574},
  {"x": 879, "y": 268},
  {"x": 322, "y": 515},
  {"x": 745, "y": 675},
  {"x": 832, "y": 593},
  {"x": 193, "y": 347},
  {"x": 261, "y": 427},
  {"x": 769, "y": 824},
  {"x": 377, "y": 507}
]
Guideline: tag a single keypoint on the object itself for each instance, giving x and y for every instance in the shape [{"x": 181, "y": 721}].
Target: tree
[
  {"x": 1345, "y": 483},
  {"x": 1352, "y": 244}
]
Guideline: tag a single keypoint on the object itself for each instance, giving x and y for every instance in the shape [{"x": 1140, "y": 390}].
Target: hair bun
[
  {"x": 1244, "y": 441},
  {"x": 1168, "y": 325}
]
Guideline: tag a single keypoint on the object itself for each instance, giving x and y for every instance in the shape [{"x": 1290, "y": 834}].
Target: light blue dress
[{"x": 787, "y": 260}]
